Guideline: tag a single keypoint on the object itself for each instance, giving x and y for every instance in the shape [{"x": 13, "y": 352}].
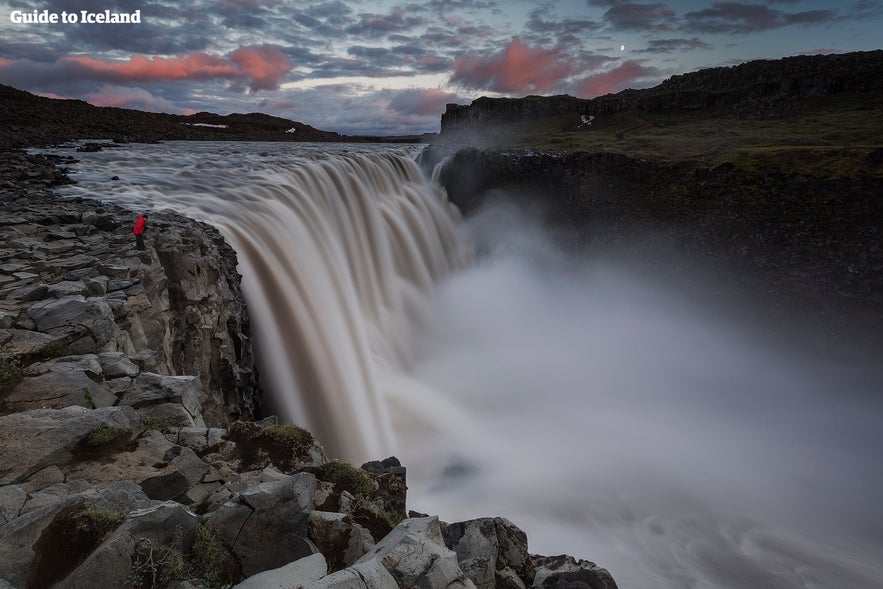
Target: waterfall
[
  {"x": 608, "y": 412},
  {"x": 338, "y": 252}
]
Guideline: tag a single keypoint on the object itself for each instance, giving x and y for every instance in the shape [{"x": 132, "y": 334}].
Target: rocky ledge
[{"x": 130, "y": 457}]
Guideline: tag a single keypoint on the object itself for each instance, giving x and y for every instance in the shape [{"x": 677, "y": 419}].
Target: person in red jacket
[{"x": 140, "y": 228}]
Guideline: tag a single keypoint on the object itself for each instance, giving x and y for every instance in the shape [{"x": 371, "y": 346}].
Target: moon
[{"x": 622, "y": 47}]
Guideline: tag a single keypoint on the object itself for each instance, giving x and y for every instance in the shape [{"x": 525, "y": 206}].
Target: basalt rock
[{"x": 127, "y": 454}]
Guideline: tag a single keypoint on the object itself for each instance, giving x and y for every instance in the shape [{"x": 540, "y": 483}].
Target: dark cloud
[
  {"x": 739, "y": 17},
  {"x": 673, "y": 45},
  {"x": 633, "y": 16},
  {"x": 398, "y": 19},
  {"x": 542, "y": 22}
]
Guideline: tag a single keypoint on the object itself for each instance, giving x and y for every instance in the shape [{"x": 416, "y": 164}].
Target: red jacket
[{"x": 140, "y": 225}]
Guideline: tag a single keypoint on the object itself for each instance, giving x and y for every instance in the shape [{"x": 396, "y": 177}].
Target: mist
[{"x": 622, "y": 419}]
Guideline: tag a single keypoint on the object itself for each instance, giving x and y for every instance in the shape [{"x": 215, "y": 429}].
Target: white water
[{"x": 608, "y": 415}]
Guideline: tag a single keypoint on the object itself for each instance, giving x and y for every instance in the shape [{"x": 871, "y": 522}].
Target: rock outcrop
[
  {"x": 128, "y": 453},
  {"x": 94, "y": 322},
  {"x": 752, "y": 86}
]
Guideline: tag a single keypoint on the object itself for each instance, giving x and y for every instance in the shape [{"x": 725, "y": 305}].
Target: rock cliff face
[
  {"x": 752, "y": 86},
  {"x": 128, "y": 457},
  {"x": 71, "y": 278}
]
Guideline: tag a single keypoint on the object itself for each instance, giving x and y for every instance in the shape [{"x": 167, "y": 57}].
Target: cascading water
[
  {"x": 610, "y": 416},
  {"x": 338, "y": 255}
]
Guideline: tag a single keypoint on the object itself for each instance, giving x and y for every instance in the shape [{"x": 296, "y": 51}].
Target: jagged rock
[
  {"x": 67, "y": 288},
  {"x": 266, "y": 526},
  {"x": 168, "y": 525},
  {"x": 491, "y": 551},
  {"x": 151, "y": 389},
  {"x": 53, "y": 391},
  {"x": 116, "y": 365},
  {"x": 7, "y": 319},
  {"x": 86, "y": 363},
  {"x": 162, "y": 469},
  {"x": 12, "y": 499},
  {"x": 172, "y": 413},
  {"x": 50, "y": 436},
  {"x": 303, "y": 572},
  {"x": 343, "y": 541},
  {"x": 90, "y": 321},
  {"x": 367, "y": 575},
  {"x": 566, "y": 572},
  {"x": 414, "y": 552},
  {"x": 30, "y": 555},
  {"x": 19, "y": 342}
]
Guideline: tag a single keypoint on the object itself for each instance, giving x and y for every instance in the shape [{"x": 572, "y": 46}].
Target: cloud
[
  {"x": 137, "y": 98},
  {"x": 633, "y": 16},
  {"x": 612, "y": 81},
  {"x": 264, "y": 67},
  {"x": 421, "y": 102},
  {"x": 739, "y": 17},
  {"x": 516, "y": 69},
  {"x": 259, "y": 68},
  {"x": 672, "y": 45}
]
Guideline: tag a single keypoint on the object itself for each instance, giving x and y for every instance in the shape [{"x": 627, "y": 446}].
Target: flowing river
[{"x": 609, "y": 415}]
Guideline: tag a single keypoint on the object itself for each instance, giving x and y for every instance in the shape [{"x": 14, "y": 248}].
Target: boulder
[
  {"x": 166, "y": 528},
  {"x": 266, "y": 526},
  {"x": 31, "y": 543},
  {"x": 35, "y": 439},
  {"x": 303, "y": 572},
  {"x": 367, "y": 575},
  {"x": 342, "y": 541},
  {"x": 566, "y": 572},
  {"x": 89, "y": 320},
  {"x": 54, "y": 390},
  {"x": 116, "y": 365},
  {"x": 491, "y": 551},
  {"x": 415, "y": 554}
]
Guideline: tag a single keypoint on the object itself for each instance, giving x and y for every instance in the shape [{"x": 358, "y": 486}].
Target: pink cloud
[
  {"x": 619, "y": 78},
  {"x": 259, "y": 68},
  {"x": 265, "y": 66},
  {"x": 517, "y": 69},
  {"x": 421, "y": 102}
]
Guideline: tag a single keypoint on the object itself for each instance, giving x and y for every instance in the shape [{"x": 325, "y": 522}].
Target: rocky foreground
[{"x": 129, "y": 454}]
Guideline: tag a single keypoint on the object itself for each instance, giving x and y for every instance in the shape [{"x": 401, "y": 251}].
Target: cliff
[
  {"x": 770, "y": 86},
  {"x": 128, "y": 451}
]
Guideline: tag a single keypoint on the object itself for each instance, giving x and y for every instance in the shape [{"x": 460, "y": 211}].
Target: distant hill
[
  {"x": 769, "y": 87},
  {"x": 26, "y": 119}
]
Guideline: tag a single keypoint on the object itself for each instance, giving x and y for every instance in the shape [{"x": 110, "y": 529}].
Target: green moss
[
  {"x": 291, "y": 437},
  {"x": 104, "y": 435},
  {"x": 212, "y": 558},
  {"x": 10, "y": 375},
  {"x": 156, "y": 565},
  {"x": 100, "y": 521},
  {"x": 51, "y": 350},
  {"x": 157, "y": 423},
  {"x": 347, "y": 477}
]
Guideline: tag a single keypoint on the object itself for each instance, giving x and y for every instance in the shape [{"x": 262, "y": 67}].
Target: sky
[{"x": 388, "y": 66}]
